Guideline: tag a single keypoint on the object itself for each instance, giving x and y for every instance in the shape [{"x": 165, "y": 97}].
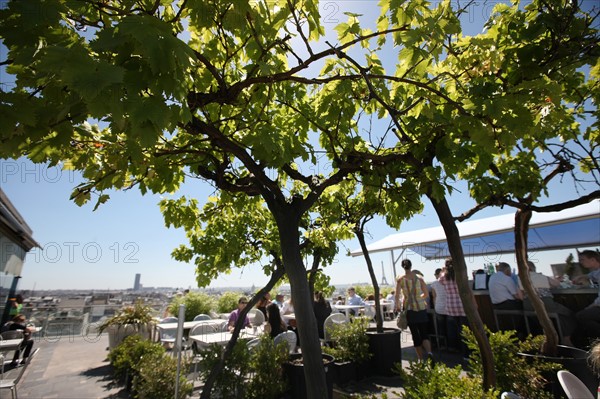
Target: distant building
[
  {"x": 136, "y": 283},
  {"x": 15, "y": 241}
]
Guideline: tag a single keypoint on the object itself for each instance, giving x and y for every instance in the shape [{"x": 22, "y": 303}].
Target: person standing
[
  {"x": 438, "y": 299},
  {"x": 455, "y": 312},
  {"x": 414, "y": 300},
  {"x": 322, "y": 310}
]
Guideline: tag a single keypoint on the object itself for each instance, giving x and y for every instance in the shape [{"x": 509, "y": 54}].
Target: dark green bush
[
  {"x": 422, "y": 380},
  {"x": 128, "y": 354},
  {"x": 231, "y": 382},
  {"x": 195, "y": 303},
  {"x": 514, "y": 373},
  {"x": 155, "y": 378},
  {"x": 349, "y": 341},
  {"x": 228, "y": 302},
  {"x": 266, "y": 359}
]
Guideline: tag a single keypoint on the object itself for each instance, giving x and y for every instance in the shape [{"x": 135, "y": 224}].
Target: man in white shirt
[
  {"x": 504, "y": 292},
  {"x": 354, "y": 300}
]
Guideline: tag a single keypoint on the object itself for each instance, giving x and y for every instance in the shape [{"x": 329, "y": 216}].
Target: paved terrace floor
[{"x": 76, "y": 368}]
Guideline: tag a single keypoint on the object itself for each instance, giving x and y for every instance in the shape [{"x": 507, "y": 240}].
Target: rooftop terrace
[{"x": 76, "y": 367}]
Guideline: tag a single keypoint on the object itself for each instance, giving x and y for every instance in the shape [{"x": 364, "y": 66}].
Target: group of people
[
  {"x": 413, "y": 295},
  {"x": 505, "y": 293},
  {"x": 579, "y": 328},
  {"x": 276, "y": 310}
]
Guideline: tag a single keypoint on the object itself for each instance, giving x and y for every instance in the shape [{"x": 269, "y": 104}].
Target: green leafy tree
[
  {"x": 252, "y": 98},
  {"x": 195, "y": 303},
  {"x": 227, "y": 302}
]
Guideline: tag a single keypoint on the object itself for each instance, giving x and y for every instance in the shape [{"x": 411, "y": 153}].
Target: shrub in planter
[
  {"x": 422, "y": 380},
  {"x": 349, "y": 347},
  {"x": 228, "y": 302},
  {"x": 136, "y": 319},
  {"x": 514, "y": 372},
  {"x": 231, "y": 382},
  {"x": 266, "y": 360},
  {"x": 195, "y": 303},
  {"x": 126, "y": 356},
  {"x": 155, "y": 378}
]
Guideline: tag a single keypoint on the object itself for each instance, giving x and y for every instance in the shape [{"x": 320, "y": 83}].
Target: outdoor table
[
  {"x": 221, "y": 338},
  {"x": 346, "y": 309},
  {"x": 188, "y": 325}
]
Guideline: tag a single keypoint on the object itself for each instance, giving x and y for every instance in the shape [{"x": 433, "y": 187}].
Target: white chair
[
  {"x": 12, "y": 383},
  {"x": 509, "y": 395},
  {"x": 289, "y": 337},
  {"x": 201, "y": 317},
  {"x": 331, "y": 320},
  {"x": 253, "y": 343},
  {"x": 257, "y": 319},
  {"x": 168, "y": 335},
  {"x": 369, "y": 312},
  {"x": 574, "y": 388}
]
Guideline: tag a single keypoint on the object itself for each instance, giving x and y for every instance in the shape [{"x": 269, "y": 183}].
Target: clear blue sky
[{"x": 106, "y": 248}]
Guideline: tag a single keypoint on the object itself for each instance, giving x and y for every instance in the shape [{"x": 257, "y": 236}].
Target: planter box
[
  {"x": 117, "y": 333},
  {"x": 345, "y": 372},
  {"x": 385, "y": 351},
  {"x": 295, "y": 375},
  {"x": 573, "y": 360}
]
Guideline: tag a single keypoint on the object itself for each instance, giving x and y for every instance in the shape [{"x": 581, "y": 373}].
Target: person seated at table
[
  {"x": 504, "y": 292},
  {"x": 354, "y": 300},
  {"x": 263, "y": 303},
  {"x": 288, "y": 308},
  {"x": 588, "y": 319},
  {"x": 275, "y": 324},
  {"x": 542, "y": 285},
  {"x": 590, "y": 260},
  {"x": 279, "y": 300},
  {"x": 506, "y": 295},
  {"x": 234, "y": 316},
  {"x": 18, "y": 323},
  {"x": 340, "y": 300},
  {"x": 322, "y": 310}
]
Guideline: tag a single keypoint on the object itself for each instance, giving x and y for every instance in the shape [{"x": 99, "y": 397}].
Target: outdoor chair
[
  {"x": 289, "y": 337},
  {"x": 257, "y": 319},
  {"x": 332, "y": 319},
  {"x": 574, "y": 388},
  {"x": 12, "y": 383},
  {"x": 201, "y": 329},
  {"x": 13, "y": 334},
  {"x": 201, "y": 317},
  {"x": 168, "y": 335},
  {"x": 509, "y": 395}
]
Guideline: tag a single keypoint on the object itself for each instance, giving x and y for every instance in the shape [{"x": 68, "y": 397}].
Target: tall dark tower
[
  {"x": 383, "y": 279},
  {"x": 136, "y": 283}
]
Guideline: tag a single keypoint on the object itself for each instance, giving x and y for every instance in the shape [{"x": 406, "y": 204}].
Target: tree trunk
[
  {"x": 522, "y": 218},
  {"x": 466, "y": 294},
  {"x": 314, "y": 372},
  {"x": 363, "y": 246}
]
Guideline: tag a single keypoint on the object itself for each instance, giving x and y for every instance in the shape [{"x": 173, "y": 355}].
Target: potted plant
[
  {"x": 294, "y": 373},
  {"x": 350, "y": 348},
  {"x": 135, "y": 319}
]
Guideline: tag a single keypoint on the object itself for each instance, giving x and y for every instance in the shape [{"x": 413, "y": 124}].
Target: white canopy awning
[{"x": 577, "y": 227}]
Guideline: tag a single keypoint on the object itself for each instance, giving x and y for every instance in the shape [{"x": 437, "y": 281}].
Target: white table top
[
  {"x": 221, "y": 338},
  {"x": 188, "y": 325},
  {"x": 347, "y": 307}
]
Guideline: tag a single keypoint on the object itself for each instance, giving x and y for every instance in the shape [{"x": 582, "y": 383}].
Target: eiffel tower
[{"x": 383, "y": 279}]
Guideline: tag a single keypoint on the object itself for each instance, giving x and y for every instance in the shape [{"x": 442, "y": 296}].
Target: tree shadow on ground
[{"x": 104, "y": 374}]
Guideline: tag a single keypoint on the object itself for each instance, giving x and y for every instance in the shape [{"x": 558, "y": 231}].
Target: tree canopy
[{"x": 259, "y": 100}]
